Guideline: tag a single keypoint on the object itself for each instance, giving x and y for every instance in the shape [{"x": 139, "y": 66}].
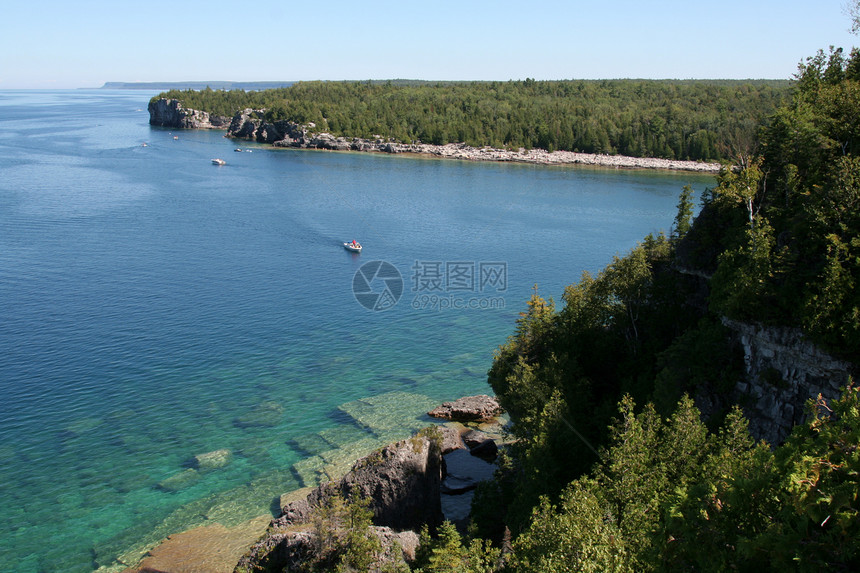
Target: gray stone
[
  {"x": 403, "y": 483},
  {"x": 486, "y": 450},
  {"x": 804, "y": 370},
  {"x": 451, "y": 439},
  {"x": 402, "y": 480},
  {"x": 290, "y": 550},
  {"x": 481, "y": 445},
  {"x": 243, "y": 125},
  {"x": 471, "y": 409},
  {"x": 170, "y": 113}
]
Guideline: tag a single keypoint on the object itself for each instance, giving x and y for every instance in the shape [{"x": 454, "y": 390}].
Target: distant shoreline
[
  {"x": 244, "y": 125},
  {"x": 215, "y": 85},
  {"x": 464, "y": 152},
  {"x": 543, "y": 157}
]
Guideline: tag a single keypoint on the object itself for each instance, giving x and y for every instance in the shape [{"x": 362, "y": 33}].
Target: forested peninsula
[
  {"x": 695, "y": 120},
  {"x": 689, "y": 407}
]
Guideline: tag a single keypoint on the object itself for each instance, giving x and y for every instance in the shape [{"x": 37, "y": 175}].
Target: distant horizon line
[{"x": 219, "y": 84}]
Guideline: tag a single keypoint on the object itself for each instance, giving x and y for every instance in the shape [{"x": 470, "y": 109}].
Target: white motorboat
[{"x": 352, "y": 246}]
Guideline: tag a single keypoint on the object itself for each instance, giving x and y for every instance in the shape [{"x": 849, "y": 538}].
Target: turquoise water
[{"x": 154, "y": 307}]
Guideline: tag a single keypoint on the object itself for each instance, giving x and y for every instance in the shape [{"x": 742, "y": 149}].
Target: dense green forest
[
  {"x": 674, "y": 119},
  {"x": 777, "y": 242}
]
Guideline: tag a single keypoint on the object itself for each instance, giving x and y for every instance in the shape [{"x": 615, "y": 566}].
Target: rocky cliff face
[
  {"x": 247, "y": 124},
  {"x": 403, "y": 482},
  {"x": 170, "y": 113},
  {"x": 783, "y": 370}
]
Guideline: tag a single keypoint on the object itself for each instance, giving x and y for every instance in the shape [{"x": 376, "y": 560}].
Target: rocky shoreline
[
  {"x": 409, "y": 483},
  {"x": 248, "y": 125}
]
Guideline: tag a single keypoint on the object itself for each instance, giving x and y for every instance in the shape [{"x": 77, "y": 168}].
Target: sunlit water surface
[{"x": 154, "y": 307}]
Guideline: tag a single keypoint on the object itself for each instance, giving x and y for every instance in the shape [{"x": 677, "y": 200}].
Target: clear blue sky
[{"x": 84, "y": 43}]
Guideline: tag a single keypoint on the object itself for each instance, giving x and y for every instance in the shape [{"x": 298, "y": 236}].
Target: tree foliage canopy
[
  {"x": 798, "y": 261},
  {"x": 777, "y": 242},
  {"x": 674, "y": 119},
  {"x": 667, "y": 496}
]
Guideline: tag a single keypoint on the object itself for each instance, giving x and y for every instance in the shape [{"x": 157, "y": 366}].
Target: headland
[{"x": 248, "y": 125}]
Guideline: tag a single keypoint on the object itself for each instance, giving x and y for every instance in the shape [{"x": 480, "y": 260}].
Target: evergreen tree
[{"x": 684, "y": 217}]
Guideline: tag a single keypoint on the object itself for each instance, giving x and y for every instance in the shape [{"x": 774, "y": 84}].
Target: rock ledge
[
  {"x": 480, "y": 408},
  {"x": 403, "y": 482}
]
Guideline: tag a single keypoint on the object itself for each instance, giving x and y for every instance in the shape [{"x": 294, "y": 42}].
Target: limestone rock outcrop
[
  {"x": 470, "y": 409},
  {"x": 451, "y": 439},
  {"x": 170, "y": 113},
  {"x": 481, "y": 445},
  {"x": 783, "y": 370},
  {"x": 250, "y": 124},
  {"x": 403, "y": 483}
]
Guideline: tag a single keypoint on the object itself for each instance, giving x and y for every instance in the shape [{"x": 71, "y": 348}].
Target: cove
[{"x": 155, "y": 307}]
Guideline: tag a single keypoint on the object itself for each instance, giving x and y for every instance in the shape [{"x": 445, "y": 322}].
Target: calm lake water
[{"x": 154, "y": 307}]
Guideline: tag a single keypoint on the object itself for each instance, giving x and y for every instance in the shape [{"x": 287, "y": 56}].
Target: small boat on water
[
  {"x": 218, "y": 162},
  {"x": 352, "y": 246}
]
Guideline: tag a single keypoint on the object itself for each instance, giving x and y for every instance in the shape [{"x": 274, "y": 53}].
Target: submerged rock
[
  {"x": 458, "y": 508},
  {"x": 81, "y": 426},
  {"x": 179, "y": 481},
  {"x": 265, "y": 414},
  {"x": 464, "y": 472},
  {"x": 212, "y": 460},
  {"x": 213, "y": 548}
]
